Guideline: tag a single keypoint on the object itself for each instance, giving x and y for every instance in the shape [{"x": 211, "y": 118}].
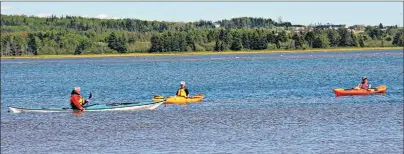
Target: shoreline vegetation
[
  {"x": 79, "y": 37},
  {"x": 198, "y": 53}
]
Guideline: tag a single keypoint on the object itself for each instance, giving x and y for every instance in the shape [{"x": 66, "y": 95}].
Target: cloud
[
  {"x": 102, "y": 16},
  {"x": 44, "y": 14},
  {"x": 6, "y": 8}
]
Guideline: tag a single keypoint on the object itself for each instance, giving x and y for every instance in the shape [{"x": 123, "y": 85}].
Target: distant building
[
  {"x": 330, "y": 26},
  {"x": 308, "y": 29},
  {"x": 217, "y": 25},
  {"x": 299, "y": 29},
  {"x": 357, "y": 27}
]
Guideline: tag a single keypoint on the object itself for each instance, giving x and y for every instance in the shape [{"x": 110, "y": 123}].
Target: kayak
[
  {"x": 96, "y": 107},
  {"x": 347, "y": 92},
  {"x": 179, "y": 99}
]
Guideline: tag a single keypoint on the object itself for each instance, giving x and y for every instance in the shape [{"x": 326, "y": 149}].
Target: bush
[
  {"x": 199, "y": 48},
  {"x": 210, "y": 46},
  {"x": 140, "y": 47},
  {"x": 271, "y": 46},
  {"x": 305, "y": 46}
]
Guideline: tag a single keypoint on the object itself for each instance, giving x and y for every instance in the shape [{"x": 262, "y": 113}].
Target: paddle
[{"x": 89, "y": 97}]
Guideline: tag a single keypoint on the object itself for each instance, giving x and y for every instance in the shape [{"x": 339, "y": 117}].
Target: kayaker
[
  {"x": 182, "y": 91},
  {"x": 364, "y": 84},
  {"x": 76, "y": 101}
]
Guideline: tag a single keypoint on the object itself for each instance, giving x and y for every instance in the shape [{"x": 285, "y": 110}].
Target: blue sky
[{"x": 350, "y": 13}]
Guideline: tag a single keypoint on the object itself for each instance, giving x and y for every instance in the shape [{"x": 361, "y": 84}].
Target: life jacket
[
  {"x": 81, "y": 100},
  {"x": 181, "y": 92},
  {"x": 363, "y": 85}
]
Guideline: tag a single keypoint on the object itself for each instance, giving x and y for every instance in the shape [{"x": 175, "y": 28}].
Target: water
[{"x": 257, "y": 103}]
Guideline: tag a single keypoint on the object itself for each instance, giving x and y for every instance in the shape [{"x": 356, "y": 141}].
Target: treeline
[
  {"x": 22, "y": 35},
  {"x": 261, "y": 39},
  {"x": 13, "y": 23}
]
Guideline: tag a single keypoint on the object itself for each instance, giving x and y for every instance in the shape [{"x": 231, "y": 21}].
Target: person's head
[
  {"x": 364, "y": 79},
  {"x": 182, "y": 84},
  {"x": 76, "y": 89}
]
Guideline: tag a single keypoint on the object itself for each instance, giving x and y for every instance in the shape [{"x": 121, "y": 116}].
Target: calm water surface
[{"x": 257, "y": 103}]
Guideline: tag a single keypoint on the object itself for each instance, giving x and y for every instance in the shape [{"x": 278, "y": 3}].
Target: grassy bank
[{"x": 200, "y": 53}]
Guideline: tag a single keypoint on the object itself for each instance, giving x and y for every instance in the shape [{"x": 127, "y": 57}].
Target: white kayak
[{"x": 96, "y": 107}]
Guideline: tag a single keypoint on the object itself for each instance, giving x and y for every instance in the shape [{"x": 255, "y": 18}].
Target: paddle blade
[
  {"x": 91, "y": 95},
  {"x": 158, "y": 97},
  {"x": 381, "y": 87}
]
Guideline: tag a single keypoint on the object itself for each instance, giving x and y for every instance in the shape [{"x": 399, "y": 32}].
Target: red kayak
[{"x": 347, "y": 92}]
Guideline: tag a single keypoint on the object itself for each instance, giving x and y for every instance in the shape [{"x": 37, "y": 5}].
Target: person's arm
[
  {"x": 177, "y": 93},
  {"x": 76, "y": 102},
  {"x": 85, "y": 102},
  {"x": 187, "y": 92}
]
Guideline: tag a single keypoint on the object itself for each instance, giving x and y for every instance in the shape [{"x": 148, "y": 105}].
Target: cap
[
  {"x": 364, "y": 77},
  {"x": 76, "y": 88},
  {"x": 183, "y": 82}
]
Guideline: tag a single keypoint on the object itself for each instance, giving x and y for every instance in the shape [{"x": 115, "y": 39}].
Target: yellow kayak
[{"x": 179, "y": 99}]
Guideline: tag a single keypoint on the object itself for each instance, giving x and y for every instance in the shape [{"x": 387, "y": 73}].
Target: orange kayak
[
  {"x": 179, "y": 99},
  {"x": 347, "y": 92}
]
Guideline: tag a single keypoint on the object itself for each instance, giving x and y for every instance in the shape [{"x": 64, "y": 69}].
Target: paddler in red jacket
[{"x": 76, "y": 101}]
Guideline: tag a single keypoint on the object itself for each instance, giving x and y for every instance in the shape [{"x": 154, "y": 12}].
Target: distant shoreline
[{"x": 198, "y": 53}]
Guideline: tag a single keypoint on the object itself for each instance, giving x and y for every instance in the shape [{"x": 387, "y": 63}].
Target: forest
[{"x": 29, "y": 35}]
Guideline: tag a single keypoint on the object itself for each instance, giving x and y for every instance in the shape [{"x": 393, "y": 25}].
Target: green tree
[
  {"x": 32, "y": 44},
  {"x": 321, "y": 41},
  {"x": 246, "y": 41},
  {"x": 271, "y": 37},
  {"x": 117, "y": 44},
  {"x": 83, "y": 45},
  {"x": 236, "y": 44},
  {"x": 15, "y": 46},
  {"x": 156, "y": 44},
  {"x": 355, "y": 41},
  {"x": 113, "y": 41},
  {"x": 346, "y": 39},
  {"x": 218, "y": 45},
  {"x": 190, "y": 42},
  {"x": 259, "y": 41},
  {"x": 334, "y": 38},
  {"x": 380, "y": 26},
  {"x": 298, "y": 41},
  {"x": 361, "y": 42},
  {"x": 398, "y": 39},
  {"x": 282, "y": 37},
  {"x": 309, "y": 37}
]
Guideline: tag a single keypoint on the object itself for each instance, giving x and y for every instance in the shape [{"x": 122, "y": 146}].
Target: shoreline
[{"x": 199, "y": 53}]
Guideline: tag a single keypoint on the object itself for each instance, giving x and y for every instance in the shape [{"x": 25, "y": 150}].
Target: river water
[{"x": 254, "y": 103}]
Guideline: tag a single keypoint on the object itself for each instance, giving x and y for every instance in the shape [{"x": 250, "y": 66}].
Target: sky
[{"x": 349, "y": 13}]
